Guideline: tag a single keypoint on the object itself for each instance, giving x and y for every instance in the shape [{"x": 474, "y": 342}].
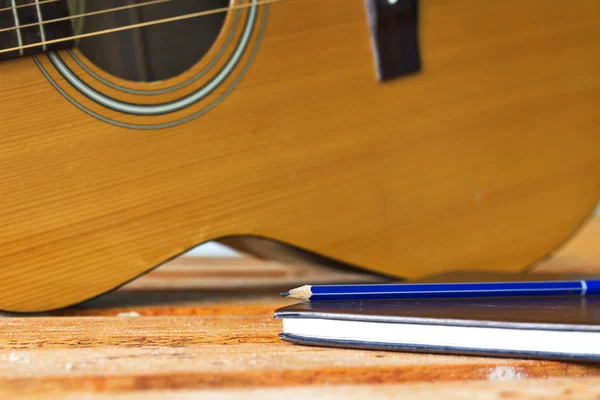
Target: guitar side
[{"x": 487, "y": 159}]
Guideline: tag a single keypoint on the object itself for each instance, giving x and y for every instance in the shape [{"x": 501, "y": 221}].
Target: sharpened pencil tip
[{"x": 285, "y": 294}]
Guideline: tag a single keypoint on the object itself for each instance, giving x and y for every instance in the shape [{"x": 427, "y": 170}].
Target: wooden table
[{"x": 201, "y": 327}]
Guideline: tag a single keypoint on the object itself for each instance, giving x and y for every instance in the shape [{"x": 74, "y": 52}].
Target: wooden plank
[
  {"x": 226, "y": 350},
  {"x": 499, "y": 385}
]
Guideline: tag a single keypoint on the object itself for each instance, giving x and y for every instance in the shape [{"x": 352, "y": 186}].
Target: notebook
[{"x": 559, "y": 328}]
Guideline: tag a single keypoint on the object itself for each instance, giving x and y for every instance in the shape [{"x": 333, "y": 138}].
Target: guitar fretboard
[{"x": 21, "y": 26}]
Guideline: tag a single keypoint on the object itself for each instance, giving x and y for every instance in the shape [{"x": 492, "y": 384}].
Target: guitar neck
[{"x": 24, "y": 23}]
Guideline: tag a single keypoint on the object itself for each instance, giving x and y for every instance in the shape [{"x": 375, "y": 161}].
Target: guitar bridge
[{"x": 393, "y": 27}]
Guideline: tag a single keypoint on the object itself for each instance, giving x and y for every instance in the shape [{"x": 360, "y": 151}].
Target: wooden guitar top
[{"x": 487, "y": 159}]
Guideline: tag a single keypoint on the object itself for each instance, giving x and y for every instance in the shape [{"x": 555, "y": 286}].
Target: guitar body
[{"x": 488, "y": 158}]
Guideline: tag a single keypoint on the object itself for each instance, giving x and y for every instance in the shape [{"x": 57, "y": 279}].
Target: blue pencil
[{"x": 443, "y": 290}]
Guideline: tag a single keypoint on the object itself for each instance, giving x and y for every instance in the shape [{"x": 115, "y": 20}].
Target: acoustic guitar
[{"x": 403, "y": 137}]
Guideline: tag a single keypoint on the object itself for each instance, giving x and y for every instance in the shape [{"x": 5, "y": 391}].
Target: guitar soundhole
[{"x": 151, "y": 53}]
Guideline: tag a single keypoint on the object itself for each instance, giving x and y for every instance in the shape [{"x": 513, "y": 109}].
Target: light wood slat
[
  {"x": 580, "y": 254},
  {"x": 244, "y": 272}
]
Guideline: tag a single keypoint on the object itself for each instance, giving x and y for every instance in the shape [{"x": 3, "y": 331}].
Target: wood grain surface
[
  {"x": 181, "y": 333},
  {"x": 458, "y": 166}
]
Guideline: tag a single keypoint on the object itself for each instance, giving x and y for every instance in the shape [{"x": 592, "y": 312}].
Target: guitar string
[
  {"x": 88, "y": 14},
  {"x": 28, "y": 5},
  {"x": 143, "y": 24}
]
